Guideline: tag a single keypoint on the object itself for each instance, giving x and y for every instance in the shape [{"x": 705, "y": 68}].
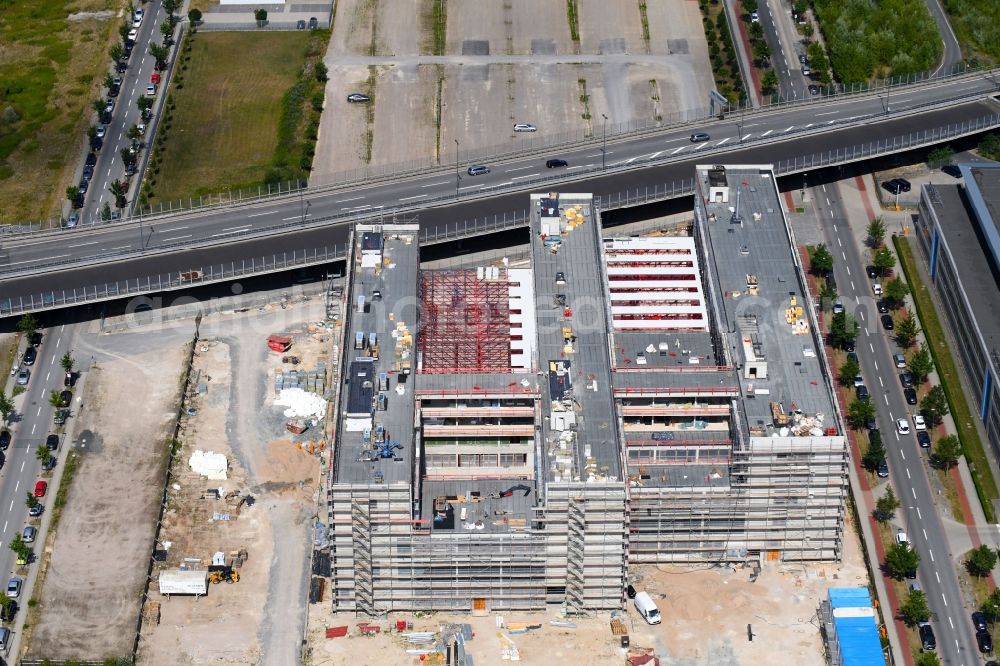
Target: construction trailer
[
  {"x": 181, "y": 581},
  {"x": 651, "y": 413}
]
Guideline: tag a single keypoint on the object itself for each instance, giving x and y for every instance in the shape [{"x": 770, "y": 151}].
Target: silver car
[
  {"x": 14, "y": 587},
  {"x": 23, "y": 376},
  {"x": 525, "y": 127},
  {"x": 29, "y": 533}
]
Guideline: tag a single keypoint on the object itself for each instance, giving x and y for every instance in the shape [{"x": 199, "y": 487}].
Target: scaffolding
[{"x": 465, "y": 321}]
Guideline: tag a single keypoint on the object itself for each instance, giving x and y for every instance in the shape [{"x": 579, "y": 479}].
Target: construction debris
[
  {"x": 211, "y": 465},
  {"x": 301, "y": 404}
]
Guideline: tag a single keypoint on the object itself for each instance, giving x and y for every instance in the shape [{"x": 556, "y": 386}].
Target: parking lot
[{"x": 504, "y": 63}]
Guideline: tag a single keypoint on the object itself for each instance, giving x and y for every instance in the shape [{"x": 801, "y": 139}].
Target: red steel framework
[{"x": 465, "y": 322}]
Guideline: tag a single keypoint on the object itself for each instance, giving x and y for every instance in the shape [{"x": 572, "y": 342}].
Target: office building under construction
[{"x": 514, "y": 437}]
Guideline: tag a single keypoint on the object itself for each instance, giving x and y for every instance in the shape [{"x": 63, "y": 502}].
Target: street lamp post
[
  {"x": 458, "y": 177},
  {"x": 604, "y": 144}
]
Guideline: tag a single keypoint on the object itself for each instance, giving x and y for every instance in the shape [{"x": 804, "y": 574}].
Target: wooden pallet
[{"x": 618, "y": 628}]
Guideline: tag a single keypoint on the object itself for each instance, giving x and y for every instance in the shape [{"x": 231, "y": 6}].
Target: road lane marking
[
  {"x": 943, "y": 599},
  {"x": 270, "y": 212},
  {"x": 843, "y": 255},
  {"x": 530, "y": 175},
  {"x": 875, "y": 362},
  {"x": 861, "y": 314},
  {"x": 22, "y": 465},
  {"x": 848, "y": 269},
  {"x": 5, "y": 523},
  {"x": 951, "y": 623},
  {"x": 886, "y": 401},
  {"x": 925, "y": 532},
  {"x": 914, "y": 493},
  {"x": 33, "y": 429},
  {"x": 835, "y": 226},
  {"x": 853, "y": 289},
  {"x": 931, "y": 553},
  {"x": 356, "y": 198},
  {"x": 936, "y": 575},
  {"x": 47, "y": 375},
  {"x": 745, "y": 137},
  {"x": 174, "y": 238},
  {"x": 918, "y": 514},
  {"x": 828, "y": 113},
  {"x": 299, "y": 217},
  {"x": 790, "y": 128},
  {"x": 828, "y": 201},
  {"x": 17, "y": 485},
  {"x": 767, "y": 132},
  {"x": 910, "y": 477},
  {"x": 39, "y": 412},
  {"x": 880, "y": 382},
  {"x": 122, "y": 247},
  {"x": 678, "y": 150},
  {"x": 35, "y": 261},
  {"x": 723, "y": 141},
  {"x": 629, "y": 161},
  {"x": 839, "y": 243},
  {"x": 520, "y": 168},
  {"x": 243, "y": 226},
  {"x": 868, "y": 334},
  {"x": 656, "y": 154},
  {"x": 413, "y": 197},
  {"x": 84, "y": 244}
]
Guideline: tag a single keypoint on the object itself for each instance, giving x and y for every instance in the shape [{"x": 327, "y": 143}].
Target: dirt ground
[
  {"x": 705, "y": 611},
  {"x": 95, "y": 577},
  {"x": 260, "y": 619}
]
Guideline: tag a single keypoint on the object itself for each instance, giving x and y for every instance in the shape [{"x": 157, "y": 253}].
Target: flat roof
[
  {"x": 577, "y": 257},
  {"x": 977, "y": 267},
  {"x": 396, "y": 279},
  {"x": 485, "y": 509},
  {"x": 663, "y": 349},
  {"x": 758, "y": 243}
]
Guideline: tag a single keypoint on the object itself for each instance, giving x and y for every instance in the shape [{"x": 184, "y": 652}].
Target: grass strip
[
  {"x": 972, "y": 446},
  {"x": 573, "y": 19}
]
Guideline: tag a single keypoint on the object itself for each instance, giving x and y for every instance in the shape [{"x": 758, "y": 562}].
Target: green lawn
[
  {"x": 972, "y": 446},
  {"x": 51, "y": 70},
  {"x": 224, "y": 130},
  {"x": 977, "y": 26}
]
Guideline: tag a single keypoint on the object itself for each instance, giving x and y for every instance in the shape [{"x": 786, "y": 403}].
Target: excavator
[{"x": 510, "y": 491}]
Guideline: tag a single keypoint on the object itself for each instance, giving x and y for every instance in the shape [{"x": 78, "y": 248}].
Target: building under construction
[{"x": 513, "y": 437}]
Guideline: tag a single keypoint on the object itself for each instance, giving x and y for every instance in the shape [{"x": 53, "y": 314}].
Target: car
[
  {"x": 36, "y": 339},
  {"x": 109, "y": 106},
  {"x": 83, "y": 186},
  {"x": 97, "y": 144},
  {"x": 862, "y": 393},
  {"x": 877, "y": 288},
  {"x": 979, "y": 621},
  {"x": 65, "y": 397},
  {"x": 91, "y": 160},
  {"x": 151, "y": 90},
  {"x": 883, "y": 469},
  {"x": 919, "y": 423},
  {"x": 137, "y": 13},
  {"x": 40, "y": 488},
  {"x": 849, "y": 346},
  {"x": 29, "y": 533},
  {"x": 892, "y": 186},
  {"x": 36, "y": 510},
  {"x": 49, "y": 464},
  {"x": 300, "y": 25},
  {"x": 904, "y": 185},
  {"x": 806, "y": 71},
  {"x": 524, "y": 127},
  {"x": 882, "y": 305},
  {"x": 60, "y": 416},
  {"x": 137, "y": 21},
  {"x": 814, "y": 89},
  {"x": 23, "y": 377},
  {"x": 984, "y": 641},
  {"x": 698, "y": 137},
  {"x": 30, "y": 354},
  {"x": 872, "y": 426},
  {"x": 132, "y": 35},
  {"x": 803, "y": 58},
  {"x": 871, "y": 271},
  {"x": 901, "y": 537},
  {"x": 553, "y": 164},
  {"x": 838, "y": 307},
  {"x": 122, "y": 66},
  {"x": 69, "y": 379},
  {"x": 72, "y": 220},
  {"x": 853, "y": 356},
  {"x": 5, "y": 440},
  {"x": 356, "y": 98},
  {"x": 114, "y": 90},
  {"x": 911, "y": 395},
  {"x": 899, "y": 359},
  {"x": 14, "y": 587},
  {"x": 52, "y": 442},
  {"x": 902, "y": 426},
  {"x": 478, "y": 170},
  {"x": 927, "y": 641},
  {"x": 101, "y": 131},
  {"x": 924, "y": 439},
  {"x": 952, "y": 170},
  {"x": 906, "y": 379},
  {"x": 858, "y": 381},
  {"x": 630, "y": 592},
  {"x": 313, "y": 23},
  {"x": 560, "y": 278},
  {"x": 155, "y": 78},
  {"x": 141, "y": 129},
  {"x": 8, "y": 612},
  {"x": 128, "y": 49},
  {"x": 887, "y": 322},
  {"x": 88, "y": 172}
]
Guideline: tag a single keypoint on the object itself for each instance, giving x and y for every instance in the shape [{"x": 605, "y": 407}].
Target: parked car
[
  {"x": 979, "y": 621},
  {"x": 553, "y": 164},
  {"x": 300, "y": 25},
  {"x": 155, "y": 78},
  {"x": 132, "y": 35},
  {"x": 313, "y": 23},
  {"x": 151, "y": 90},
  {"x": 858, "y": 381},
  {"x": 882, "y": 305},
  {"x": 892, "y": 186},
  {"x": 41, "y": 487},
  {"x": 814, "y": 89},
  {"x": 4, "y": 440},
  {"x": 101, "y": 131},
  {"x": 876, "y": 289},
  {"x": 88, "y": 172},
  {"x": 906, "y": 379},
  {"x": 91, "y": 160},
  {"x": 69, "y": 378},
  {"x": 72, "y": 220},
  {"x": 904, "y": 185},
  {"x": 919, "y": 423},
  {"x": 36, "y": 339},
  {"x": 927, "y": 641},
  {"x": 14, "y": 587},
  {"x": 838, "y": 307},
  {"x": 862, "y": 393},
  {"x": 60, "y": 416},
  {"x": 36, "y": 510},
  {"x": 883, "y": 469},
  {"x": 924, "y": 439},
  {"x": 887, "y": 322},
  {"x": 984, "y": 641},
  {"x": 899, "y": 359},
  {"x": 29, "y": 534},
  {"x": 630, "y": 592},
  {"x": 30, "y": 354},
  {"x": 871, "y": 271},
  {"x": 524, "y": 127},
  {"x": 49, "y": 464},
  {"x": 952, "y": 170},
  {"x": 698, "y": 137},
  {"x": 52, "y": 442},
  {"x": 8, "y": 612},
  {"x": 23, "y": 377},
  {"x": 911, "y": 395},
  {"x": 478, "y": 170}
]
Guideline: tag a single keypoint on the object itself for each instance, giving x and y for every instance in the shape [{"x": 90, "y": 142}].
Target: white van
[{"x": 646, "y": 608}]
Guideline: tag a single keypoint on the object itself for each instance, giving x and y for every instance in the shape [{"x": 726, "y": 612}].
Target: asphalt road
[
  {"x": 782, "y": 38},
  {"x": 908, "y": 467},
  {"x": 952, "y": 54},
  {"x": 33, "y": 423},
  {"x": 134, "y": 80}
]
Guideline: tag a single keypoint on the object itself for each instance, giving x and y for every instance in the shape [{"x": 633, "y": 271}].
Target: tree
[
  {"x": 901, "y": 560},
  {"x": 194, "y": 16},
  {"x": 321, "y": 72},
  {"x": 875, "y": 452},
  {"x": 145, "y": 104},
  {"x": 98, "y": 105},
  {"x": 885, "y": 507},
  {"x": 915, "y": 609},
  {"x": 921, "y": 364},
  {"x": 73, "y": 195},
  {"x": 980, "y": 561},
  {"x": 769, "y": 82},
  {"x": 940, "y": 156},
  {"x": 128, "y": 157},
  {"x": 749, "y": 6},
  {"x": 167, "y": 30},
  {"x": 42, "y": 453},
  {"x": 860, "y": 412},
  {"x": 27, "y": 325},
  {"x": 55, "y": 399},
  {"x": 133, "y": 132},
  {"x": 106, "y": 212},
  {"x": 820, "y": 260},
  {"x": 109, "y": 80},
  {"x": 30, "y": 501},
  {"x": 755, "y": 32},
  {"x": 991, "y": 607},
  {"x": 843, "y": 329},
  {"x": 119, "y": 190},
  {"x": 990, "y": 146},
  {"x": 160, "y": 53},
  {"x": 896, "y": 290},
  {"x": 260, "y": 15},
  {"x": 17, "y": 544},
  {"x": 848, "y": 371},
  {"x": 947, "y": 450},
  {"x": 927, "y": 659},
  {"x": 876, "y": 231},
  {"x": 67, "y": 362},
  {"x": 171, "y": 6},
  {"x": 117, "y": 52},
  {"x": 884, "y": 260},
  {"x": 934, "y": 406},
  {"x": 5, "y": 602},
  {"x": 6, "y": 406},
  {"x": 907, "y": 329},
  {"x": 123, "y": 30}
]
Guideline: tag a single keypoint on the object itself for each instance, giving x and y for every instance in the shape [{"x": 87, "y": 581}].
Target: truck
[{"x": 646, "y": 608}]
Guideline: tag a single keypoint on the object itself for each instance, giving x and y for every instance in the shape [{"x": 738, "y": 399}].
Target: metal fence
[{"x": 312, "y": 256}]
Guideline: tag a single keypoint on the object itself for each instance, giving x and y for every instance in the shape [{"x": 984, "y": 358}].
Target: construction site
[{"x": 512, "y": 438}]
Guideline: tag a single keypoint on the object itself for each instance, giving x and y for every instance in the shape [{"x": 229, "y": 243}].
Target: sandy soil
[
  {"x": 261, "y": 618},
  {"x": 706, "y": 613},
  {"x": 95, "y": 577}
]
